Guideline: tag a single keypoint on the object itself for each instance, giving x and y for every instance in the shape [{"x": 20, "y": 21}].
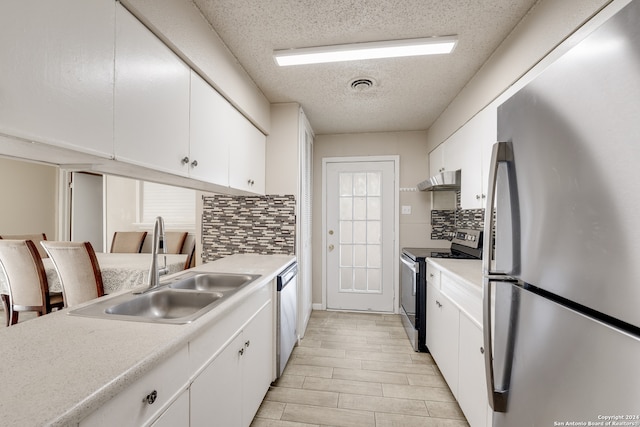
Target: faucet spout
[{"x": 155, "y": 271}]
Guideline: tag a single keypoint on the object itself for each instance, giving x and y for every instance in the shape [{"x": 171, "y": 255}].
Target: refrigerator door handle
[
  {"x": 497, "y": 398},
  {"x": 502, "y": 153}
]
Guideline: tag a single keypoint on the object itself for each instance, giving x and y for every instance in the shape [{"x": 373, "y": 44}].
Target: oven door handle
[{"x": 412, "y": 265}]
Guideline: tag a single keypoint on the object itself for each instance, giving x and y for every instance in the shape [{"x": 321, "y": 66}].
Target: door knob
[
  {"x": 331, "y": 232},
  {"x": 331, "y": 247}
]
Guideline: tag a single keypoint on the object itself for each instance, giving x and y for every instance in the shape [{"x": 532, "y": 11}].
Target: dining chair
[
  {"x": 78, "y": 269},
  {"x": 35, "y": 238},
  {"x": 174, "y": 242},
  {"x": 27, "y": 286},
  {"x": 127, "y": 241},
  {"x": 189, "y": 248}
]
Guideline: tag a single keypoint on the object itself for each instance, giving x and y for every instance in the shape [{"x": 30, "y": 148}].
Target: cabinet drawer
[
  {"x": 433, "y": 276},
  {"x": 130, "y": 408}
]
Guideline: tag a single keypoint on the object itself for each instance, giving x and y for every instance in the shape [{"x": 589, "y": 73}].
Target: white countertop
[
  {"x": 467, "y": 270},
  {"x": 56, "y": 369},
  {"x": 465, "y": 287}
]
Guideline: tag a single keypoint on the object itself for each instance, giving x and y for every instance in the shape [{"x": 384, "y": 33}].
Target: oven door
[{"x": 409, "y": 269}]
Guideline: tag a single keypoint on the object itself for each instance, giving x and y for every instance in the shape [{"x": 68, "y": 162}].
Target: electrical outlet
[{"x": 406, "y": 210}]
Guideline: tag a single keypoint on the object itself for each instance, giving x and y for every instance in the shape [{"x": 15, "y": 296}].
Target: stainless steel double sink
[{"x": 179, "y": 300}]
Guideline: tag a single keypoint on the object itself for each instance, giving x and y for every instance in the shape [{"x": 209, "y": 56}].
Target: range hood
[{"x": 443, "y": 181}]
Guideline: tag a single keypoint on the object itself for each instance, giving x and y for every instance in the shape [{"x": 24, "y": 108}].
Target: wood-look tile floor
[{"x": 355, "y": 369}]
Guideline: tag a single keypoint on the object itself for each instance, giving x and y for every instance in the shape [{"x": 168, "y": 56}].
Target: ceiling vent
[{"x": 361, "y": 84}]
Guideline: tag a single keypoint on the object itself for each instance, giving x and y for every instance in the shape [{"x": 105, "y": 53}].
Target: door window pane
[
  {"x": 359, "y": 184},
  {"x": 359, "y": 255},
  {"x": 346, "y": 184},
  {"x": 346, "y": 233}
]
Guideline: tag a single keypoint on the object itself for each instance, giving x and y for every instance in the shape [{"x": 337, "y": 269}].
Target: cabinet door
[
  {"x": 247, "y": 156},
  {"x": 56, "y": 63},
  {"x": 442, "y": 335},
  {"x": 436, "y": 160},
  {"x": 257, "y": 363},
  {"x": 208, "y": 136},
  {"x": 472, "y": 390},
  {"x": 151, "y": 99},
  {"x": 489, "y": 137},
  {"x": 177, "y": 414},
  {"x": 216, "y": 394}
]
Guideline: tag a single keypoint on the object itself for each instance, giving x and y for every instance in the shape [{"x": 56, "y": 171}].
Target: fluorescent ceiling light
[{"x": 371, "y": 50}]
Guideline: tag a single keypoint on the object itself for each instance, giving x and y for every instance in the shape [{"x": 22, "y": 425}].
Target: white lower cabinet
[
  {"x": 472, "y": 389},
  {"x": 216, "y": 394},
  {"x": 218, "y": 379},
  {"x": 230, "y": 389},
  {"x": 177, "y": 414},
  {"x": 442, "y": 335},
  {"x": 456, "y": 344}
]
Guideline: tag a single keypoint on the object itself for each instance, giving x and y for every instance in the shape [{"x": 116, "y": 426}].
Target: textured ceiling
[{"x": 409, "y": 93}]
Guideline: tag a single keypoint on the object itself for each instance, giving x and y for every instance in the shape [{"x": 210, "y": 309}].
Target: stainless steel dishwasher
[{"x": 286, "y": 336}]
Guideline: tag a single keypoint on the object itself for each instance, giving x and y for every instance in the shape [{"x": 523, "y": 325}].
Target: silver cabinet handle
[
  {"x": 185, "y": 160},
  {"x": 194, "y": 163},
  {"x": 250, "y": 182},
  {"x": 247, "y": 344},
  {"x": 241, "y": 351},
  {"x": 151, "y": 397}
]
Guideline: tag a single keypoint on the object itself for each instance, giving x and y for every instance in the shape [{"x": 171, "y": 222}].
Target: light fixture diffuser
[{"x": 370, "y": 50}]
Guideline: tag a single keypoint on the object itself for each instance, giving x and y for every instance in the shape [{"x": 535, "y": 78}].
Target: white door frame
[{"x": 396, "y": 220}]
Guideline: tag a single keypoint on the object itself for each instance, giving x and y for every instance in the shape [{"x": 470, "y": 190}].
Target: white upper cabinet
[
  {"x": 209, "y": 141},
  {"x": 56, "y": 68},
  {"x": 247, "y": 147},
  {"x": 151, "y": 99},
  {"x": 469, "y": 149},
  {"x": 436, "y": 160}
]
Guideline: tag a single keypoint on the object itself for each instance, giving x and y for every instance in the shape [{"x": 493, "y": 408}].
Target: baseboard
[{"x": 318, "y": 307}]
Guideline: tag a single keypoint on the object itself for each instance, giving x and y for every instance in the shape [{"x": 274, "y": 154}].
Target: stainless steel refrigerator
[{"x": 562, "y": 239}]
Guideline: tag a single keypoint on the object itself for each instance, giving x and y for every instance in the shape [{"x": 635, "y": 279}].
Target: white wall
[
  {"x": 415, "y": 229},
  {"x": 29, "y": 198},
  {"x": 545, "y": 26}
]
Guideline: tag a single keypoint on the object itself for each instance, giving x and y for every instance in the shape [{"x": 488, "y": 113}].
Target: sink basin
[
  {"x": 165, "y": 304},
  {"x": 179, "y": 300},
  {"x": 214, "y": 282}
]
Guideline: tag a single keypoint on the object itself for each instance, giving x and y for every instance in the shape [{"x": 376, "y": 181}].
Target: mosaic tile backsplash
[
  {"x": 444, "y": 222},
  {"x": 248, "y": 224}
]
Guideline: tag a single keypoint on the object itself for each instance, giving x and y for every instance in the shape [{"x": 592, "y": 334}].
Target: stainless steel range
[{"x": 465, "y": 244}]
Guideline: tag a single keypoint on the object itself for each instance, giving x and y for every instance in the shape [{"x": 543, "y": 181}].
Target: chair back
[
  {"x": 189, "y": 248},
  {"x": 35, "y": 238},
  {"x": 127, "y": 241},
  {"x": 78, "y": 269},
  {"x": 173, "y": 241},
  {"x": 24, "y": 272}
]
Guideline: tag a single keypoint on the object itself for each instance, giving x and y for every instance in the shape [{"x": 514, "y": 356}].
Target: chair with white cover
[
  {"x": 35, "y": 238},
  {"x": 26, "y": 279},
  {"x": 78, "y": 269},
  {"x": 127, "y": 241}
]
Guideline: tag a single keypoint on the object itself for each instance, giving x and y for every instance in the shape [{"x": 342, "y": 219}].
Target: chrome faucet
[{"x": 158, "y": 245}]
